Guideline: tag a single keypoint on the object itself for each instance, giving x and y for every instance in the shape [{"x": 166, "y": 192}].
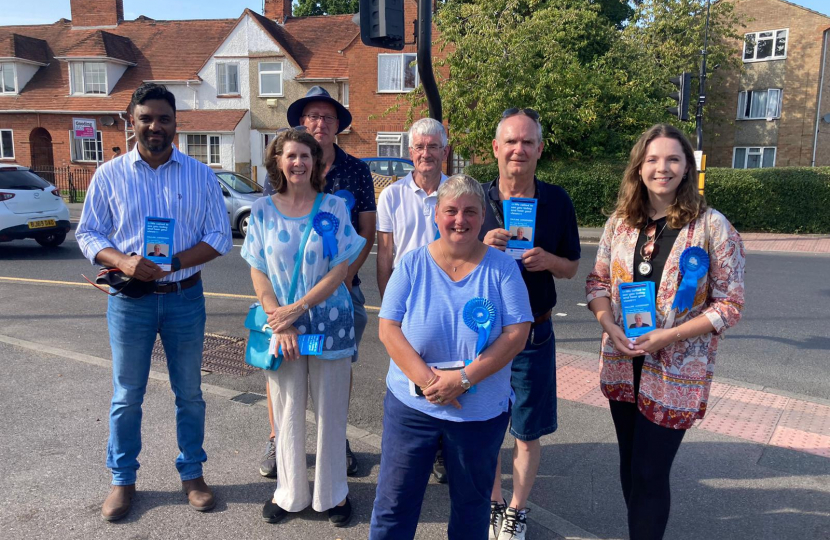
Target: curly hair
[
  {"x": 274, "y": 151},
  {"x": 632, "y": 200}
]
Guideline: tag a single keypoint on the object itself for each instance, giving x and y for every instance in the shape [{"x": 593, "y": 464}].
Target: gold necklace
[{"x": 446, "y": 260}]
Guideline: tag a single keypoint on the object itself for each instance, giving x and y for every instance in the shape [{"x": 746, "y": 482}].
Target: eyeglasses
[
  {"x": 297, "y": 128},
  {"x": 315, "y": 117},
  {"x": 650, "y": 248},
  {"x": 515, "y": 110},
  {"x": 432, "y": 148}
]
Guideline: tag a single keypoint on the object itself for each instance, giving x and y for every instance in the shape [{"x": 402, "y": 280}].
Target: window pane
[
  {"x": 78, "y": 78},
  {"x": 410, "y": 72},
  {"x": 95, "y": 78},
  {"x": 388, "y": 150},
  {"x": 221, "y": 79},
  {"x": 764, "y": 48},
  {"x": 214, "y": 150},
  {"x": 6, "y": 78},
  {"x": 740, "y": 158},
  {"x": 6, "y": 144},
  {"x": 769, "y": 157},
  {"x": 741, "y": 104},
  {"x": 345, "y": 96},
  {"x": 389, "y": 72},
  {"x": 753, "y": 158},
  {"x": 780, "y": 42},
  {"x": 270, "y": 66},
  {"x": 197, "y": 147},
  {"x": 233, "y": 79},
  {"x": 758, "y": 108},
  {"x": 749, "y": 47},
  {"x": 773, "y": 101},
  {"x": 271, "y": 83}
]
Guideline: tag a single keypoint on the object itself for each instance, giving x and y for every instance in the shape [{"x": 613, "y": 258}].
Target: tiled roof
[
  {"x": 209, "y": 120},
  {"x": 163, "y": 51},
  {"x": 17, "y": 46},
  {"x": 314, "y": 42},
  {"x": 102, "y": 44}
]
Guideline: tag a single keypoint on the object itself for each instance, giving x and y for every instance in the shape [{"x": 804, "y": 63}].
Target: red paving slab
[
  {"x": 818, "y": 243},
  {"x": 744, "y": 413}
]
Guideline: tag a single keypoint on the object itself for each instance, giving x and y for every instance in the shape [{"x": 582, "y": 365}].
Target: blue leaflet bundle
[
  {"x": 520, "y": 221},
  {"x": 639, "y": 313},
  {"x": 158, "y": 240},
  {"x": 309, "y": 344}
]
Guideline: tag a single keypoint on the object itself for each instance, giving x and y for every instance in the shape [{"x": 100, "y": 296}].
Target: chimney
[
  {"x": 96, "y": 13},
  {"x": 277, "y": 10}
]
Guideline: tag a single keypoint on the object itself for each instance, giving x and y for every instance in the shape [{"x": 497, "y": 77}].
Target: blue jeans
[
  {"x": 360, "y": 318},
  {"x": 533, "y": 378},
  {"x": 410, "y": 439},
  {"x": 179, "y": 317}
]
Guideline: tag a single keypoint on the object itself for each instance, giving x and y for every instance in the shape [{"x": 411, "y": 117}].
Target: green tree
[{"x": 303, "y": 8}]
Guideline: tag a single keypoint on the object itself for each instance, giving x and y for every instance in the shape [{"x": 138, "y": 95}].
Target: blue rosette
[
  {"x": 347, "y": 196},
  {"x": 479, "y": 316},
  {"x": 326, "y": 224},
  {"x": 694, "y": 263}
]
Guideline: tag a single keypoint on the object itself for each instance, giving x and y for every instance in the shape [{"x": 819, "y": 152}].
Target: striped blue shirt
[{"x": 125, "y": 190}]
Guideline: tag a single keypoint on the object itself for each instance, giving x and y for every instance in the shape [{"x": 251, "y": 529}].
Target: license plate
[{"x": 41, "y": 223}]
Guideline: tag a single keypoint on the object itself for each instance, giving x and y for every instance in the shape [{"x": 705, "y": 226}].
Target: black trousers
[{"x": 647, "y": 452}]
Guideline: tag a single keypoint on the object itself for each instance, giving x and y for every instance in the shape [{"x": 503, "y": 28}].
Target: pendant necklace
[
  {"x": 446, "y": 260},
  {"x": 649, "y": 249}
]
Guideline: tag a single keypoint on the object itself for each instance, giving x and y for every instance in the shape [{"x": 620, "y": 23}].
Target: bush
[{"x": 784, "y": 200}]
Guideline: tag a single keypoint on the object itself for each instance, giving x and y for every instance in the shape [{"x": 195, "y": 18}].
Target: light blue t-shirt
[
  {"x": 272, "y": 246},
  {"x": 429, "y": 306}
]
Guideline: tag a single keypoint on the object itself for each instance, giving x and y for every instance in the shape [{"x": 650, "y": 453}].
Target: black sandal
[{"x": 340, "y": 516}]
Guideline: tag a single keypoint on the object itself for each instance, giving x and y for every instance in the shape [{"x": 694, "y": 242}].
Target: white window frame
[
  {"x": 404, "y": 65},
  {"x": 223, "y": 80},
  {"x": 212, "y": 159},
  {"x": 393, "y": 139},
  {"x": 82, "y": 146},
  {"x": 754, "y": 151},
  {"x": 772, "y": 109},
  {"x": 3, "y": 148},
  {"x": 272, "y": 72},
  {"x": 755, "y": 36},
  {"x": 6, "y": 67},
  {"x": 344, "y": 94},
  {"x": 84, "y": 83}
]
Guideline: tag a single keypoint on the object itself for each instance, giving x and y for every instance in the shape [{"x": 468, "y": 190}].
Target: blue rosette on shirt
[
  {"x": 694, "y": 263},
  {"x": 347, "y": 196},
  {"x": 326, "y": 225},
  {"x": 479, "y": 316}
]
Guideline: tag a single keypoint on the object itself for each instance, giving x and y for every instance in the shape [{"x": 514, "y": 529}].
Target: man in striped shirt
[{"x": 155, "y": 180}]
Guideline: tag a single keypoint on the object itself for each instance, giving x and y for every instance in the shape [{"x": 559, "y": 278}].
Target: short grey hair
[
  {"x": 459, "y": 185},
  {"x": 428, "y": 126},
  {"x": 522, "y": 113}
]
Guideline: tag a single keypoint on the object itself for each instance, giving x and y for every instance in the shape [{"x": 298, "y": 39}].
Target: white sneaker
[
  {"x": 515, "y": 524},
  {"x": 496, "y": 518}
]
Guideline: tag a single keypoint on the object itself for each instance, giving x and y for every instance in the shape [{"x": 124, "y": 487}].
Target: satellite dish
[
  {"x": 107, "y": 121},
  {"x": 826, "y": 118}
]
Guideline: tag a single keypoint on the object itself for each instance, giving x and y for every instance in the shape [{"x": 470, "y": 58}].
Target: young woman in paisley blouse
[{"x": 658, "y": 384}]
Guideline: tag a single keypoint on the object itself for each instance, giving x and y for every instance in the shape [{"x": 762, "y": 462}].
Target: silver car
[{"x": 239, "y": 192}]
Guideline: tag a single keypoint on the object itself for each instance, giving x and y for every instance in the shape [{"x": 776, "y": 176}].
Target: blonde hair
[{"x": 632, "y": 200}]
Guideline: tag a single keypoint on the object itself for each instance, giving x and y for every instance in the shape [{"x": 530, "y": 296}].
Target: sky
[{"x": 48, "y": 11}]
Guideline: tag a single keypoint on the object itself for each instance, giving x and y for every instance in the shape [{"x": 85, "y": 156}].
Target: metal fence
[{"x": 71, "y": 181}]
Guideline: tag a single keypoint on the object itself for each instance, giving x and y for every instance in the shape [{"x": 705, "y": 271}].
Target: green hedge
[{"x": 786, "y": 200}]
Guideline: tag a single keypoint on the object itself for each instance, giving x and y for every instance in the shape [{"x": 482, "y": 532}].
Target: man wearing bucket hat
[{"x": 324, "y": 117}]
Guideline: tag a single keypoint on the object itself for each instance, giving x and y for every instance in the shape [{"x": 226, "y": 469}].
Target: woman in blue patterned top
[
  {"x": 422, "y": 325},
  {"x": 322, "y": 305}
]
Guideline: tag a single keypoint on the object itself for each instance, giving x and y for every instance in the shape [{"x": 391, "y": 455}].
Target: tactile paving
[
  {"x": 806, "y": 416},
  {"x": 595, "y": 398},
  {"x": 803, "y": 441},
  {"x": 221, "y": 354},
  {"x": 717, "y": 391},
  {"x": 573, "y": 383},
  {"x": 746, "y": 414}
]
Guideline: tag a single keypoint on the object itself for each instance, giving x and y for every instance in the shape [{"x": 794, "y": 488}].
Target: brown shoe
[
  {"x": 199, "y": 495},
  {"x": 118, "y": 502}
]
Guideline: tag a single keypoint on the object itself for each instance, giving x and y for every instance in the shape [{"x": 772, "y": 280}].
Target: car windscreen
[
  {"x": 240, "y": 184},
  {"x": 17, "y": 179}
]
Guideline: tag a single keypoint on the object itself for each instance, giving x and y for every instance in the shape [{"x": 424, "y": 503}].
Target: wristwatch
[
  {"x": 465, "y": 382},
  {"x": 176, "y": 264}
]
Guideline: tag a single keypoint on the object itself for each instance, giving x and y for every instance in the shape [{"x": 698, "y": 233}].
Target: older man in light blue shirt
[{"x": 155, "y": 180}]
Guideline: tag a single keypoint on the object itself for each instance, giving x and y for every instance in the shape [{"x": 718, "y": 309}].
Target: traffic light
[
  {"x": 382, "y": 23},
  {"x": 682, "y": 96}
]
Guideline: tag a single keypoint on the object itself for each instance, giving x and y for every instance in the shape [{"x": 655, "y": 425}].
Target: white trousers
[{"x": 328, "y": 381}]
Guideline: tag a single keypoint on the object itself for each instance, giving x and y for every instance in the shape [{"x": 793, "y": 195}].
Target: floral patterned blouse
[{"x": 675, "y": 381}]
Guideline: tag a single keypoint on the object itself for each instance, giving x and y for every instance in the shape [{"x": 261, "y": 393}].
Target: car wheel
[
  {"x": 51, "y": 239},
  {"x": 242, "y": 224}
]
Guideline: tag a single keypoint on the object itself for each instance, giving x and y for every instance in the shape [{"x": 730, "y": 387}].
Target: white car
[{"x": 31, "y": 207}]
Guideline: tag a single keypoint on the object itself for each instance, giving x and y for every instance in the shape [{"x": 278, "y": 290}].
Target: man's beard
[{"x": 156, "y": 148}]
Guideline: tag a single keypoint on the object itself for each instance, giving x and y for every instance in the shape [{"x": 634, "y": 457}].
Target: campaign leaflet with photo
[
  {"x": 520, "y": 221},
  {"x": 308, "y": 344},
  {"x": 158, "y": 240},
  {"x": 639, "y": 311}
]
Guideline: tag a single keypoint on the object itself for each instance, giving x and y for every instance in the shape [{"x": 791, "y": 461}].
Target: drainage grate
[{"x": 222, "y": 354}]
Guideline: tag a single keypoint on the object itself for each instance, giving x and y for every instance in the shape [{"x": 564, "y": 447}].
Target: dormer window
[
  {"x": 88, "y": 78},
  {"x": 7, "y": 79}
]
